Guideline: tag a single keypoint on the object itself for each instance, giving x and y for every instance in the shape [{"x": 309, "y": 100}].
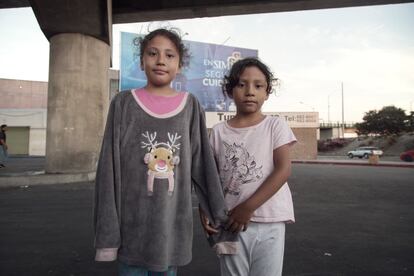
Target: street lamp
[{"x": 343, "y": 111}]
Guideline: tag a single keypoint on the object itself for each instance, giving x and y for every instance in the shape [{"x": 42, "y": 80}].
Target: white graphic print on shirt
[{"x": 240, "y": 167}]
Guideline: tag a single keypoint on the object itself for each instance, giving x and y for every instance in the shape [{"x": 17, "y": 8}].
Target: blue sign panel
[{"x": 202, "y": 77}]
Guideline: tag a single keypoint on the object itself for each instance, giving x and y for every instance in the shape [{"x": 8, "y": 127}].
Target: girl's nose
[
  {"x": 249, "y": 90},
  {"x": 161, "y": 59}
]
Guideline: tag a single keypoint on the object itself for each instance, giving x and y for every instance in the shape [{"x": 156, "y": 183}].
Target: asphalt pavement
[
  {"x": 30, "y": 170},
  {"x": 351, "y": 219}
]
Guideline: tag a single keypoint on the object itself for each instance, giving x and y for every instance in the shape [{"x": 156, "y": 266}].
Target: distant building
[
  {"x": 305, "y": 126},
  {"x": 23, "y": 107}
]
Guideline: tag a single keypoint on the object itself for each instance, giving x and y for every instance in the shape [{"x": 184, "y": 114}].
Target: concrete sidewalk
[{"x": 23, "y": 171}]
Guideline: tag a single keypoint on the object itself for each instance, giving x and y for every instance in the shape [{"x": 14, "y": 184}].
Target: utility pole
[
  {"x": 343, "y": 111},
  {"x": 227, "y": 39},
  {"x": 329, "y": 117}
]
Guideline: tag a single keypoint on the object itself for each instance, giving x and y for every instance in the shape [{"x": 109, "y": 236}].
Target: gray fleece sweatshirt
[{"x": 147, "y": 165}]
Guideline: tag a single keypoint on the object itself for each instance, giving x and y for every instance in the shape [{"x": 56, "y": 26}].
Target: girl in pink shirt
[{"x": 252, "y": 154}]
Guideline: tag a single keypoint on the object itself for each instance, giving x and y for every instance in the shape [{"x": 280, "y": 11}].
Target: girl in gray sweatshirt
[{"x": 155, "y": 148}]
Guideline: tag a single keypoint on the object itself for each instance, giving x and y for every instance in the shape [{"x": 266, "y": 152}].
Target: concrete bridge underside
[
  {"x": 95, "y": 17},
  {"x": 79, "y": 32}
]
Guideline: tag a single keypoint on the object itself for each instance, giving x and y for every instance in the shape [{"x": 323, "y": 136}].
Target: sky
[{"x": 368, "y": 50}]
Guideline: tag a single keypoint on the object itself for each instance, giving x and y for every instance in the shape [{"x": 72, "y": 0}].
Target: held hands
[
  {"x": 208, "y": 227},
  {"x": 239, "y": 218}
]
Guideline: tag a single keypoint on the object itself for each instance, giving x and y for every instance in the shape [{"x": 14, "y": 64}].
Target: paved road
[{"x": 351, "y": 220}]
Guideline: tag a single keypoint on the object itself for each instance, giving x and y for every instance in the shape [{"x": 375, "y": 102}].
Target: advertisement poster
[{"x": 202, "y": 77}]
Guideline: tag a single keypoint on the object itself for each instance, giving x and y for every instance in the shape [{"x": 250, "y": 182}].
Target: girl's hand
[
  {"x": 208, "y": 227},
  {"x": 239, "y": 218}
]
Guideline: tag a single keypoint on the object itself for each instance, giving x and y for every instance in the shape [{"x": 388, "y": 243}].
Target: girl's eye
[
  {"x": 170, "y": 56},
  {"x": 259, "y": 86},
  {"x": 240, "y": 85},
  {"x": 152, "y": 53}
]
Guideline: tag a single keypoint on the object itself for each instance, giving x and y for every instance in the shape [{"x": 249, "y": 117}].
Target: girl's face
[
  {"x": 250, "y": 93},
  {"x": 160, "y": 61}
]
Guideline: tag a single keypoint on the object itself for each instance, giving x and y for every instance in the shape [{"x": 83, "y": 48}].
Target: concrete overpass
[
  {"x": 95, "y": 17},
  {"x": 79, "y": 32}
]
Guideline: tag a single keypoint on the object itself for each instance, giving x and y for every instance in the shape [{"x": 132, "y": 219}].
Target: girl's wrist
[{"x": 249, "y": 206}]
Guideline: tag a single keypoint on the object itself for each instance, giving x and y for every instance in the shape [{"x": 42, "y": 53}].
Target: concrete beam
[
  {"x": 9, "y": 4},
  {"x": 88, "y": 17},
  {"x": 132, "y": 11},
  {"x": 93, "y": 17}
]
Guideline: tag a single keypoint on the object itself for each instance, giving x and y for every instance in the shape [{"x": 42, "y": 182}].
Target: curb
[
  {"x": 334, "y": 162},
  {"x": 41, "y": 178},
  {"x": 31, "y": 178}
]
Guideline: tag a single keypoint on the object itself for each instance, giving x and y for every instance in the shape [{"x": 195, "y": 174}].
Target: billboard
[{"x": 202, "y": 77}]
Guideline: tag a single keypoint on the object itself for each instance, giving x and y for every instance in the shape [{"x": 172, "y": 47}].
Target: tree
[
  {"x": 410, "y": 120},
  {"x": 388, "y": 120}
]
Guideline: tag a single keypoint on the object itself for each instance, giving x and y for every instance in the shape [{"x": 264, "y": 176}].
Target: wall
[
  {"x": 34, "y": 120},
  {"x": 306, "y": 148},
  {"x": 22, "y": 94},
  {"x": 23, "y": 105}
]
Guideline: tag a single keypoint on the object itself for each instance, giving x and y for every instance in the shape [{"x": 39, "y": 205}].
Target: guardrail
[{"x": 336, "y": 125}]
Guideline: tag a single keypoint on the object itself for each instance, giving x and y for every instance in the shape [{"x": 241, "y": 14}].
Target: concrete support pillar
[{"x": 78, "y": 98}]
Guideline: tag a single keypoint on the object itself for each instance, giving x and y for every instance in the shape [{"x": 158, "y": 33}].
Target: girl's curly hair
[
  {"x": 172, "y": 34},
  {"x": 232, "y": 79}
]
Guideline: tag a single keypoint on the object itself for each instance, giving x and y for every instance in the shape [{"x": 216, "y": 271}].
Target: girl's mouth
[{"x": 159, "y": 72}]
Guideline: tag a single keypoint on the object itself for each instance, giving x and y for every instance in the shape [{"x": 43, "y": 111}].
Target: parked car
[
  {"x": 364, "y": 152},
  {"x": 407, "y": 156}
]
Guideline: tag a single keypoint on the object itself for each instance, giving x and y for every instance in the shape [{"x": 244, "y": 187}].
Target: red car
[{"x": 407, "y": 156}]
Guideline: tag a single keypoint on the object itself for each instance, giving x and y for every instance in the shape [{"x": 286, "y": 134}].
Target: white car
[{"x": 364, "y": 152}]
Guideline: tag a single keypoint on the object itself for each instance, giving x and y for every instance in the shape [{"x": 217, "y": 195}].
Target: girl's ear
[{"x": 141, "y": 64}]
